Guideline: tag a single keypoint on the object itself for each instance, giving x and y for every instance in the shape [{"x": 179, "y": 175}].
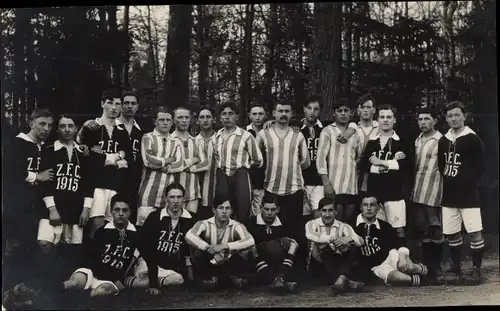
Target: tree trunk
[
  {"x": 348, "y": 73},
  {"x": 176, "y": 82},
  {"x": 271, "y": 43},
  {"x": 151, "y": 49},
  {"x": 246, "y": 62},
  {"x": 116, "y": 63},
  {"x": 22, "y": 21},
  {"x": 203, "y": 37},
  {"x": 30, "y": 63},
  {"x": 126, "y": 65},
  {"x": 326, "y": 58},
  {"x": 449, "y": 8},
  {"x": 103, "y": 24}
]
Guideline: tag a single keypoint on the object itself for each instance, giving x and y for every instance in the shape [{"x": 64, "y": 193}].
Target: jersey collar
[
  {"x": 436, "y": 136},
  {"x": 466, "y": 131},
  {"x": 276, "y": 222},
  {"x": 25, "y": 137},
  {"x": 58, "y": 145},
  {"x": 374, "y": 123},
  {"x": 111, "y": 225},
  {"x": 394, "y": 136},
  {"x": 238, "y": 131},
  {"x": 318, "y": 123},
  {"x": 134, "y": 123},
  {"x": 319, "y": 222},
  {"x": 185, "y": 214},
  {"x": 361, "y": 220}
]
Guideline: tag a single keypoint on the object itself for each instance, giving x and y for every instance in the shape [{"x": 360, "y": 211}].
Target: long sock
[
  {"x": 427, "y": 253},
  {"x": 437, "y": 255},
  {"x": 262, "y": 269},
  {"x": 415, "y": 280},
  {"x": 286, "y": 266},
  {"x": 422, "y": 269},
  {"x": 456, "y": 247},
  {"x": 129, "y": 282},
  {"x": 402, "y": 241},
  {"x": 477, "y": 251}
]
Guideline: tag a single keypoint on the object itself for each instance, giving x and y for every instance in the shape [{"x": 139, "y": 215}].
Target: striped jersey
[
  {"x": 205, "y": 233},
  {"x": 237, "y": 150},
  {"x": 428, "y": 182},
  {"x": 338, "y": 160},
  {"x": 286, "y": 157},
  {"x": 207, "y": 178},
  {"x": 155, "y": 149},
  {"x": 364, "y": 135},
  {"x": 188, "y": 178},
  {"x": 319, "y": 235}
]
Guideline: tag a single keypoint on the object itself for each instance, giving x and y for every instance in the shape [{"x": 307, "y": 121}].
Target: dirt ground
[{"x": 487, "y": 293}]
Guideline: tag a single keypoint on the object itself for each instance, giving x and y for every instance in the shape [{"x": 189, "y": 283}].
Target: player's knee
[
  {"x": 475, "y": 236},
  {"x": 105, "y": 289},
  {"x": 173, "y": 279},
  {"x": 436, "y": 235},
  {"x": 454, "y": 236},
  {"x": 78, "y": 280}
]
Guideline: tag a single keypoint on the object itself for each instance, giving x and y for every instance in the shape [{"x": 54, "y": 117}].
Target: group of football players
[{"x": 256, "y": 205}]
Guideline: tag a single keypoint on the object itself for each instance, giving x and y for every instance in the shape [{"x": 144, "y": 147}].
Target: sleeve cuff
[
  {"x": 374, "y": 169},
  {"x": 122, "y": 163},
  {"x": 393, "y": 165},
  {"x": 322, "y": 171},
  {"x": 31, "y": 177},
  {"x": 122, "y": 154},
  {"x": 404, "y": 251},
  {"x": 49, "y": 201},
  {"x": 87, "y": 202},
  {"x": 163, "y": 162},
  {"x": 352, "y": 125}
]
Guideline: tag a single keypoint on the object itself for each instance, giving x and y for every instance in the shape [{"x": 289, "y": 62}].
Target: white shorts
[
  {"x": 257, "y": 196},
  {"x": 69, "y": 234},
  {"x": 192, "y": 205},
  {"x": 141, "y": 268},
  {"x": 101, "y": 203},
  {"x": 453, "y": 218},
  {"x": 143, "y": 213},
  {"x": 393, "y": 212},
  {"x": 313, "y": 195},
  {"x": 390, "y": 264},
  {"x": 92, "y": 282}
]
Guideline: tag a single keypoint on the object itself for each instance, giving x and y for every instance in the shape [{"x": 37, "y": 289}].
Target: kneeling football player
[
  {"x": 383, "y": 255},
  {"x": 274, "y": 252},
  {"x": 109, "y": 254},
  {"x": 220, "y": 247},
  {"x": 332, "y": 243},
  {"x": 163, "y": 246}
]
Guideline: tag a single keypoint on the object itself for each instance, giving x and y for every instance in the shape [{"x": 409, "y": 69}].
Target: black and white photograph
[{"x": 259, "y": 155}]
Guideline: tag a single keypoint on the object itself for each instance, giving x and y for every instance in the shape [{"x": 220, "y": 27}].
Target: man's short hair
[
  {"x": 163, "y": 109},
  {"x": 269, "y": 198},
  {"x": 120, "y": 197},
  {"x": 129, "y": 93},
  {"x": 364, "y": 98},
  {"x": 40, "y": 113},
  {"x": 428, "y": 110},
  {"x": 365, "y": 195},
  {"x": 257, "y": 105},
  {"x": 174, "y": 186},
  {"x": 312, "y": 99},
  {"x": 387, "y": 107},
  {"x": 283, "y": 102},
  {"x": 110, "y": 94},
  {"x": 206, "y": 107},
  {"x": 342, "y": 102},
  {"x": 324, "y": 202},
  {"x": 219, "y": 199},
  {"x": 64, "y": 116},
  {"x": 455, "y": 104},
  {"x": 231, "y": 105},
  {"x": 182, "y": 108}
]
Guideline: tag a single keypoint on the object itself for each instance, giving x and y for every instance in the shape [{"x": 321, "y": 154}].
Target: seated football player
[
  {"x": 220, "y": 246},
  {"x": 274, "y": 252},
  {"x": 382, "y": 255},
  {"x": 163, "y": 246},
  {"x": 332, "y": 247},
  {"x": 110, "y": 254}
]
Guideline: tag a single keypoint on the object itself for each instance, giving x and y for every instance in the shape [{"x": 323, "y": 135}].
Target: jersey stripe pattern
[
  {"x": 237, "y": 150},
  {"x": 428, "y": 183},
  {"x": 284, "y": 157},
  {"x": 338, "y": 160},
  {"x": 154, "y": 148},
  {"x": 207, "y": 178},
  {"x": 189, "y": 178}
]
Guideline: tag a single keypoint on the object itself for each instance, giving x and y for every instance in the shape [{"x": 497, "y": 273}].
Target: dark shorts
[
  {"x": 427, "y": 221},
  {"x": 274, "y": 251},
  {"x": 346, "y": 199}
]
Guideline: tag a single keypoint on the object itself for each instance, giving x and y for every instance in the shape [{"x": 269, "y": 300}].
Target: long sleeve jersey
[
  {"x": 262, "y": 232},
  {"x": 118, "y": 141},
  {"x": 135, "y": 136},
  {"x": 162, "y": 244},
  {"x": 461, "y": 162},
  {"x": 72, "y": 188},
  {"x": 379, "y": 238},
  {"x": 110, "y": 253},
  {"x": 386, "y": 186}
]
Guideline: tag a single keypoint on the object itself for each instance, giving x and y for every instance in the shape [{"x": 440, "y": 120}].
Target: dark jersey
[
  {"x": 257, "y": 174},
  {"x": 379, "y": 238},
  {"x": 135, "y": 168},
  {"x": 164, "y": 246},
  {"x": 109, "y": 177},
  {"x": 310, "y": 174},
  {"x": 262, "y": 232},
  {"x": 461, "y": 162},
  {"x": 111, "y": 252},
  {"x": 386, "y": 186},
  {"x": 72, "y": 186}
]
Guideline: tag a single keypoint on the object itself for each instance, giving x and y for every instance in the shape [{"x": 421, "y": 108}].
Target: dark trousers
[
  {"x": 347, "y": 208},
  {"x": 204, "y": 269},
  {"x": 239, "y": 190},
  {"x": 335, "y": 264}
]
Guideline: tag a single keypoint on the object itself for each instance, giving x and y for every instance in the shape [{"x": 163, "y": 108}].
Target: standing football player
[
  {"x": 236, "y": 152},
  {"x": 195, "y": 160},
  {"x": 162, "y": 157},
  {"x": 257, "y": 116},
  {"x": 427, "y": 191},
  {"x": 206, "y": 141},
  {"x": 113, "y": 140},
  {"x": 384, "y": 159},
  {"x": 336, "y": 163},
  {"x": 461, "y": 162}
]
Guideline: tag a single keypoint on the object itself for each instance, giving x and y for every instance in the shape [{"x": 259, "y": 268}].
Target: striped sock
[
  {"x": 415, "y": 280},
  {"x": 129, "y": 281},
  {"x": 477, "y": 250},
  {"x": 287, "y": 265},
  {"x": 424, "y": 269},
  {"x": 456, "y": 247},
  {"x": 261, "y": 266}
]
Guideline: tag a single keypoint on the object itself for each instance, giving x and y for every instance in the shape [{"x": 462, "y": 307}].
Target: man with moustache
[
  {"x": 162, "y": 158},
  {"x": 194, "y": 158},
  {"x": 206, "y": 141}
]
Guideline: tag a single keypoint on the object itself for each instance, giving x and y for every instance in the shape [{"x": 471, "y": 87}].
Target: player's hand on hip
[
  {"x": 91, "y": 124},
  {"x": 153, "y": 291},
  {"x": 329, "y": 192},
  {"x": 54, "y": 217},
  {"x": 46, "y": 175},
  {"x": 84, "y": 217}
]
